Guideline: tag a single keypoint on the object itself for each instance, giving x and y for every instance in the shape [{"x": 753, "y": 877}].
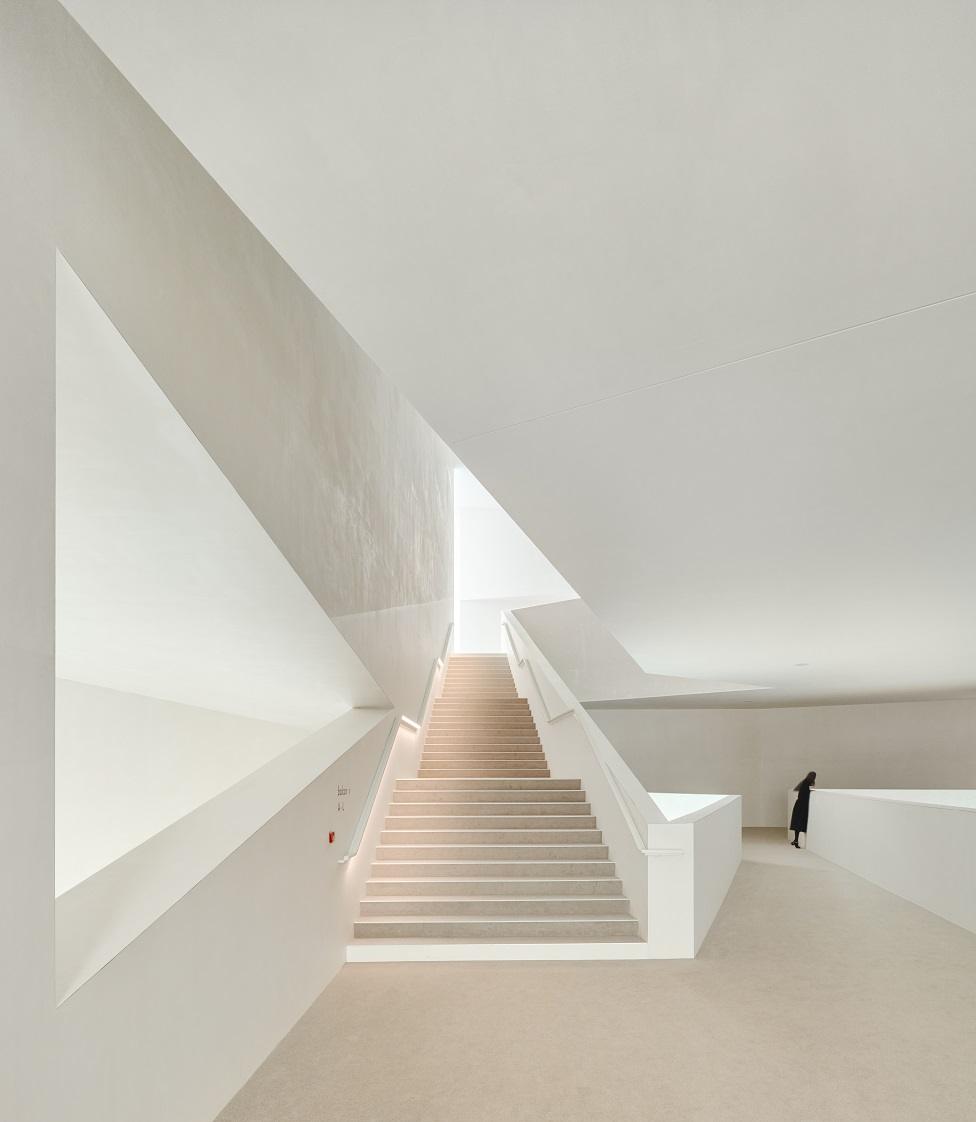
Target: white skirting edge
[{"x": 493, "y": 952}]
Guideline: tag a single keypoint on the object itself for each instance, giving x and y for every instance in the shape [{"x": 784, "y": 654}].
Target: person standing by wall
[{"x": 801, "y": 808}]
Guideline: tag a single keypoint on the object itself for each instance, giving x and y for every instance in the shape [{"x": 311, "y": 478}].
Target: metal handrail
[{"x": 381, "y": 764}]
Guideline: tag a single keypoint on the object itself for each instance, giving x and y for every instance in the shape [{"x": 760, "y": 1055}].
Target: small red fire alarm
[{"x": 331, "y": 836}]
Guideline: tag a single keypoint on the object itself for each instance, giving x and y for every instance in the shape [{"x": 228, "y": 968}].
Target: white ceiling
[
  {"x": 167, "y": 586},
  {"x": 619, "y": 255}
]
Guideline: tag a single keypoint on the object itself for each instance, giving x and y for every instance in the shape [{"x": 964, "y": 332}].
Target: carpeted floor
[{"x": 816, "y": 998}]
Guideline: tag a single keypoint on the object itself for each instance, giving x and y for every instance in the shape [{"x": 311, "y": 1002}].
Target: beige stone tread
[
  {"x": 490, "y": 886},
  {"x": 541, "y": 926},
  {"x": 495, "y": 905}
]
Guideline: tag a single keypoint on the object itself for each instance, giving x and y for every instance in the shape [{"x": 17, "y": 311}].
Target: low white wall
[
  {"x": 692, "y": 863},
  {"x": 677, "y": 857},
  {"x": 105, "y": 912},
  {"x": 923, "y": 851},
  {"x": 571, "y": 757},
  {"x": 127, "y": 766},
  {"x": 760, "y": 753},
  {"x": 908, "y": 744},
  {"x": 175, "y": 1024},
  {"x": 699, "y": 750},
  {"x": 718, "y": 853}
]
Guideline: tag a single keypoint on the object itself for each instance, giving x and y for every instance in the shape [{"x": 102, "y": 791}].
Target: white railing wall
[
  {"x": 921, "y": 845},
  {"x": 675, "y": 873},
  {"x": 400, "y": 759}
]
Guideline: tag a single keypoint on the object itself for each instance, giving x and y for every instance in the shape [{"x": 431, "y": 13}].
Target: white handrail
[
  {"x": 374, "y": 787},
  {"x": 635, "y": 826}
]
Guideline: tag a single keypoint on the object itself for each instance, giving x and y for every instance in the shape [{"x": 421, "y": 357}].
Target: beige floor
[{"x": 816, "y": 998}]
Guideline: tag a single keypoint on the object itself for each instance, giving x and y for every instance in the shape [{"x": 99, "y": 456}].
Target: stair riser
[
  {"x": 476, "y": 759},
  {"x": 516, "y": 799},
  {"x": 491, "y": 764},
  {"x": 521, "y": 720},
  {"x": 516, "y": 886},
  {"x": 501, "y": 907},
  {"x": 466, "y": 870},
  {"x": 496, "y": 822},
  {"x": 486, "y": 728},
  {"x": 467, "y": 837},
  {"x": 476, "y": 773},
  {"x": 484, "y": 754},
  {"x": 514, "y": 707},
  {"x": 496, "y": 929},
  {"x": 542, "y": 810},
  {"x": 492, "y": 853},
  {"x": 476, "y": 743},
  {"x": 488, "y": 784}
]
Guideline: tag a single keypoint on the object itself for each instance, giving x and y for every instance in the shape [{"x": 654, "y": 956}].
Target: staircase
[{"x": 484, "y": 844}]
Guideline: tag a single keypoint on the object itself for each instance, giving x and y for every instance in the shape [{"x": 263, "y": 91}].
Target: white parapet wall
[
  {"x": 675, "y": 853},
  {"x": 921, "y": 845}
]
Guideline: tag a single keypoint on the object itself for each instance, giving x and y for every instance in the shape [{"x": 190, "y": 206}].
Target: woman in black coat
[{"x": 801, "y": 808}]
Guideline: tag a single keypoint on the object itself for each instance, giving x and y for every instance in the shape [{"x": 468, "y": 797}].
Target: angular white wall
[
  {"x": 496, "y": 568},
  {"x": 350, "y": 484}
]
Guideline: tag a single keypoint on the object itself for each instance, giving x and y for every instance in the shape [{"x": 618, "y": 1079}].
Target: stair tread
[
  {"x": 481, "y": 861},
  {"x": 501, "y": 900},
  {"x": 492, "y": 880},
  {"x": 416, "y": 941}
]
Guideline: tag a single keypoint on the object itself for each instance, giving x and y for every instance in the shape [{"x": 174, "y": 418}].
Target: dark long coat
[{"x": 801, "y": 809}]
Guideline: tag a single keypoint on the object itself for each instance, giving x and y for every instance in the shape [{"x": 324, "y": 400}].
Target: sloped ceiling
[{"x": 686, "y": 286}]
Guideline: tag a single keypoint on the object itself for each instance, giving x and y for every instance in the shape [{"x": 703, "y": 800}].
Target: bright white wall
[
  {"x": 912, "y": 744},
  {"x": 127, "y": 766},
  {"x": 690, "y": 750},
  {"x": 496, "y": 568},
  {"x": 349, "y": 483},
  {"x": 762, "y": 753},
  {"x": 26, "y": 571},
  {"x": 718, "y": 853},
  {"x": 179, "y": 1020},
  {"x": 924, "y": 852},
  {"x": 166, "y": 584}
]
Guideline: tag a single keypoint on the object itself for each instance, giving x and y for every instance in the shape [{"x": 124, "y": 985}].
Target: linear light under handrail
[{"x": 357, "y": 835}]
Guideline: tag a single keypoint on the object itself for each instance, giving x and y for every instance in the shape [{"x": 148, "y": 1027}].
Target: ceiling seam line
[{"x": 714, "y": 369}]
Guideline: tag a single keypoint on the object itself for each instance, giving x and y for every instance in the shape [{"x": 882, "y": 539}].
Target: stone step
[
  {"x": 448, "y": 723},
  {"x": 490, "y": 886},
  {"x": 505, "y": 835},
  {"x": 575, "y": 928},
  {"x": 509, "y": 797},
  {"x": 478, "y": 749},
  {"x": 476, "y": 736},
  {"x": 502, "y": 751},
  {"x": 460, "y": 809},
  {"x": 498, "y": 852},
  {"x": 460, "y": 759},
  {"x": 492, "y": 784},
  {"x": 483, "y": 772},
  {"x": 468, "y": 870},
  {"x": 481, "y": 821},
  {"x": 494, "y": 906},
  {"x": 516, "y": 702}
]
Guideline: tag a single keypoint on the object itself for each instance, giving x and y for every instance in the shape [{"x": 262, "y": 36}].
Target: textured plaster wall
[
  {"x": 348, "y": 480},
  {"x": 351, "y": 485}
]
